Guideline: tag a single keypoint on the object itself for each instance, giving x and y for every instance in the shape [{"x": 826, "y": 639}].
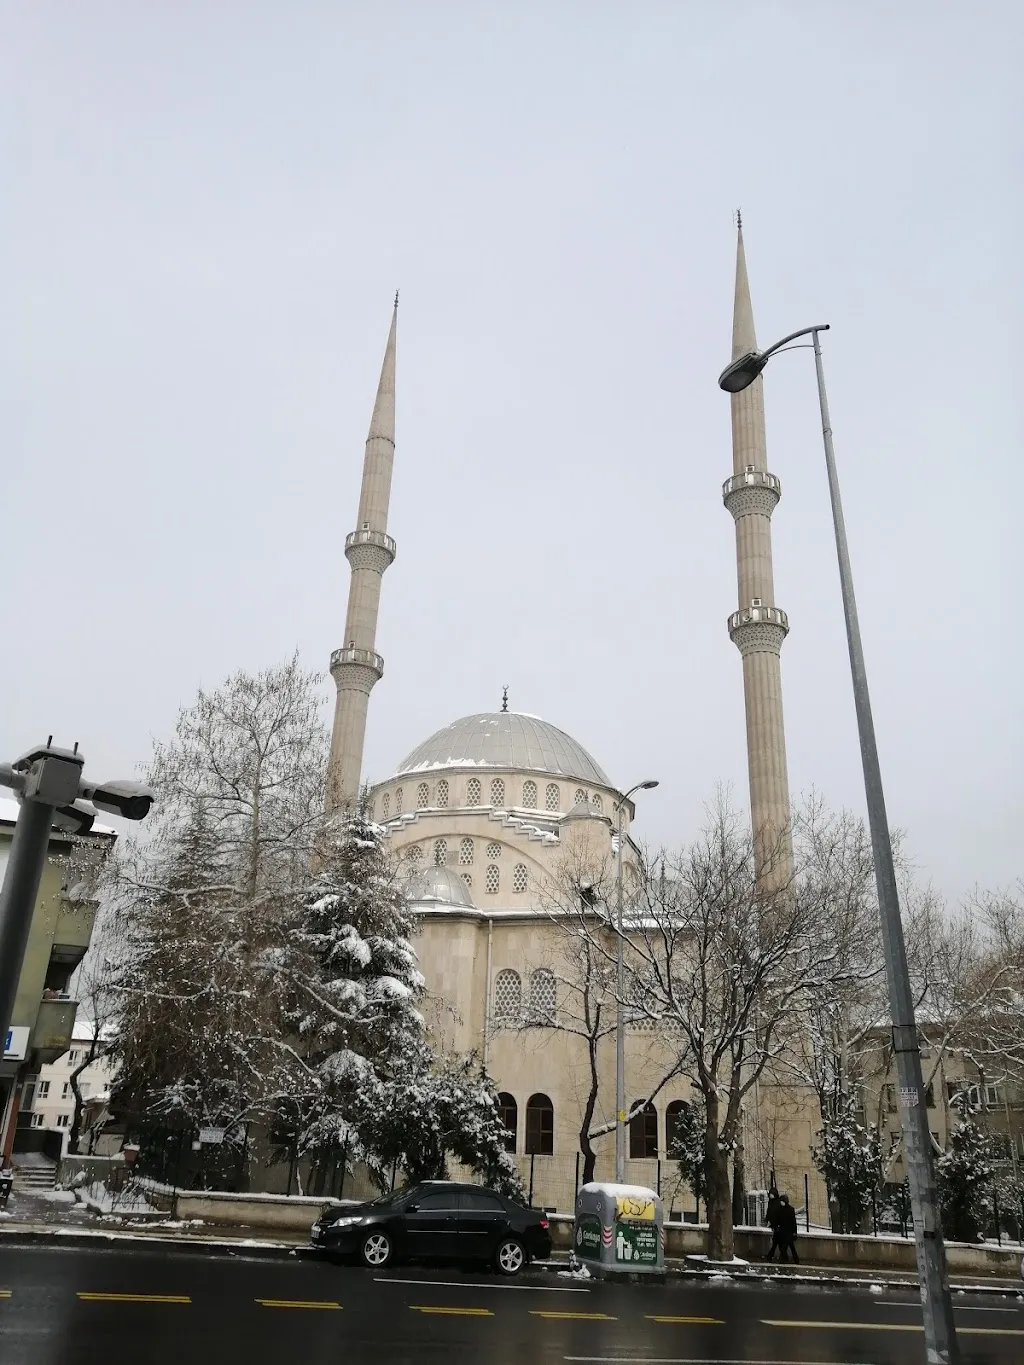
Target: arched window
[
  {"x": 473, "y": 792},
  {"x": 468, "y": 880},
  {"x": 530, "y": 795},
  {"x": 508, "y": 1112},
  {"x": 643, "y": 1133},
  {"x": 580, "y": 798},
  {"x": 676, "y": 1116},
  {"x": 492, "y": 880},
  {"x": 465, "y": 852},
  {"x": 414, "y": 853},
  {"x": 497, "y": 791},
  {"x": 385, "y": 805},
  {"x": 520, "y": 878},
  {"x": 552, "y": 797},
  {"x": 442, "y": 794},
  {"x": 540, "y": 1126},
  {"x": 422, "y": 796},
  {"x": 398, "y": 801},
  {"x": 440, "y": 852},
  {"x": 596, "y": 802},
  {"x": 508, "y": 997},
  {"x": 493, "y": 850},
  {"x": 542, "y": 997}
]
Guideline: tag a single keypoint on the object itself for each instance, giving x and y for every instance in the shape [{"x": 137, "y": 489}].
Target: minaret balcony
[
  {"x": 758, "y": 629},
  {"x": 755, "y": 492},
  {"x": 369, "y": 550},
  {"x": 351, "y": 659}
]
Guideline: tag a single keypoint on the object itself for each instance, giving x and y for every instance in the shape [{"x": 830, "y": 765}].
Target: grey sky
[{"x": 207, "y": 210}]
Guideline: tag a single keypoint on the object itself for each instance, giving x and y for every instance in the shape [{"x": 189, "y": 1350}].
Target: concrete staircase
[{"x": 37, "y": 1174}]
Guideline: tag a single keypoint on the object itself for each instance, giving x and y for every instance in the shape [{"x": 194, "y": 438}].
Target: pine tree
[
  {"x": 687, "y": 1148},
  {"x": 849, "y": 1156},
  {"x": 965, "y": 1179}
]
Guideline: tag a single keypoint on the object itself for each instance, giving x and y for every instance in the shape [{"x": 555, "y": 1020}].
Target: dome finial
[{"x": 504, "y": 698}]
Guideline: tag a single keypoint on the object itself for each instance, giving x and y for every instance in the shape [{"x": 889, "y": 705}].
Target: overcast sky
[{"x": 207, "y": 208}]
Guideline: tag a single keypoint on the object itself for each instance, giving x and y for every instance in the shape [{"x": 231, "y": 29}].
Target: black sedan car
[{"x": 437, "y": 1220}]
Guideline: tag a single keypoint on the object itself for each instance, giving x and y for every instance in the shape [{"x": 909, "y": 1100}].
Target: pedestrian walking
[
  {"x": 772, "y": 1218},
  {"x": 786, "y": 1234}
]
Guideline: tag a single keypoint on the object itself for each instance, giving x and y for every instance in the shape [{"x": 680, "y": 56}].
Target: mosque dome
[
  {"x": 438, "y": 884},
  {"x": 504, "y": 739}
]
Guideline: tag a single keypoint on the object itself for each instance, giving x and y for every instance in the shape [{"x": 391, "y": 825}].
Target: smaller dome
[
  {"x": 438, "y": 884},
  {"x": 583, "y": 811}
]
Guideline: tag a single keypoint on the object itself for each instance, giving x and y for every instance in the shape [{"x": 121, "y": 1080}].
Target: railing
[
  {"x": 351, "y": 655},
  {"x": 773, "y": 615},
  {"x": 751, "y": 478},
  {"x": 371, "y": 538}
]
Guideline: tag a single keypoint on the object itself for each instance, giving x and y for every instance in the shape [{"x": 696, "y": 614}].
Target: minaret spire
[
  {"x": 356, "y": 666},
  {"x": 758, "y": 627}
]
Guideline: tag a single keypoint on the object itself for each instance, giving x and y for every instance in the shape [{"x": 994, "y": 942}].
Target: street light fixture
[
  {"x": 620, "y": 1016},
  {"x": 939, "y": 1331}
]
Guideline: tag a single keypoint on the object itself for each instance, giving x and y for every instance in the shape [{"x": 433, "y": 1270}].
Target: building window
[
  {"x": 442, "y": 794},
  {"x": 65, "y": 1090},
  {"x": 468, "y": 880},
  {"x": 675, "y": 1114},
  {"x": 530, "y": 795},
  {"x": 440, "y": 852},
  {"x": 497, "y": 791},
  {"x": 73, "y": 1058},
  {"x": 493, "y": 850},
  {"x": 542, "y": 997},
  {"x": 42, "y": 1089},
  {"x": 552, "y": 798},
  {"x": 596, "y": 802},
  {"x": 580, "y": 798},
  {"x": 540, "y": 1126},
  {"x": 473, "y": 792},
  {"x": 492, "y": 880},
  {"x": 385, "y": 805},
  {"x": 38, "y": 1120},
  {"x": 63, "y": 1120},
  {"x": 508, "y": 1112},
  {"x": 414, "y": 853},
  {"x": 643, "y": 1133},
  {"x": 508, "y": 997},
  {"x": 465, "y": 852},
  {"x": 422, "y": 796},
  {"x": 398, "y": 801},
  {"x": 520, "y": 877}
]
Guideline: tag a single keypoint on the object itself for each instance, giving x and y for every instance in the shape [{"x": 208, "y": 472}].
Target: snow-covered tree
[
  {"x": 965, "y": 1173},
  {"x": 687, "y": 1148},
  {"x": 849, "y": 1156}
]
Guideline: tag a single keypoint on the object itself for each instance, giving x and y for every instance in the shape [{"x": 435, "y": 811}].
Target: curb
[{"x": 75, "y": 1237}]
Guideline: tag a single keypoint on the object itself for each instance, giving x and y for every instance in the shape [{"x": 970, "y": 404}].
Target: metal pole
[
  {"x": 25, "y": 865},
  {"x": 807, "y": 1204},
  {"x": 620, "y": 1020},
  {"x": 939, "y": 1331}
]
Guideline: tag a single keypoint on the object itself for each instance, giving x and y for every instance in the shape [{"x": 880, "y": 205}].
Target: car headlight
[{"x": 345, "y": 1222}]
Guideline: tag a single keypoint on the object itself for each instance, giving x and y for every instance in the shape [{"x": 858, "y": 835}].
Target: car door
[
  {"x": 482, "y": 1220},
  {"x": 429, "y": 1225}
]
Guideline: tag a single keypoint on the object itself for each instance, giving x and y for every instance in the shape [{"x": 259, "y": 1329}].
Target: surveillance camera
[
  {"x": 76, "y": 819},
  {"x": 131, "y": 800}
]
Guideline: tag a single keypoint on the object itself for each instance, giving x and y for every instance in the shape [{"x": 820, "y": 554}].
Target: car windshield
[{"x": 394, "y": 1197}]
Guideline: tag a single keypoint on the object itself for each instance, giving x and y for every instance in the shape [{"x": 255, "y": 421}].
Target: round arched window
[
  {"x": 552, "y": 799},
  {"x": 530, "y": 795},
  {"x": 497, "y": 791},
  {"x": 520, "y": 878},
  {"x": 508, "y": 997},
  {"x": 422, "y": 796},
  {"x": 473, "y": 792},
  {"x": 440, "y": 852},
  {"x": 442, "y": 794}
]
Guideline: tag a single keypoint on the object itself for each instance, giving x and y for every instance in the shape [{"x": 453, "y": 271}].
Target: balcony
[
  {"x": 51, "y": 1033},
  {"x": 364, "y": 657}
]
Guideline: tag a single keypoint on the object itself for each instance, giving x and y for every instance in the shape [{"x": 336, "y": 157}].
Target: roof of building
[
  {"x": 438, "y": 884},
  {"x": 504, "y": 739},
  {"x": 9, "y": 808}
]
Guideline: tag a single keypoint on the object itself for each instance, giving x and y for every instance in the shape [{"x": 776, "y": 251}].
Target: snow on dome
[
  {"x": 504, "y": 739},
  {"x": 438, "y": 884}
]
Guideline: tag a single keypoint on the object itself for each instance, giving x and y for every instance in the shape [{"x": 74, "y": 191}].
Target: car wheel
[
  {"x": 511, "y": 1256},
  {"x": 376, "y": 1249}
]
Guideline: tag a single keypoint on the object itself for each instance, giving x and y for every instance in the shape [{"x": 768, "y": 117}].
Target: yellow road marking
[
  {"x": 589, "y": 1317},
  {"x": 5, "y": 1293},
  {"x": 298, "y": 1303},
  {"x": 894, "y": 1327},
  {"x": 664, "y": 1317},
  {"x": 455, "y": 1312},
  {"x": 133, "y": 1298}
]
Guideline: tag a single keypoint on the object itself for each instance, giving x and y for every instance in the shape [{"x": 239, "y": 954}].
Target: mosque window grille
[
  {"x": 530, "y": 795},
  {"x": 492, "y": 880},
  {"x": 442, "y": 794},
  {"x": 465, "y": 852},
  {"x": 385, "y": 805},
  {"x": 520, "y": 877},
  {"x": 422, "y": 796},
  {"x": 473, "y": 792},
  {"x": 596, "y": 802},
  {"x": 498, "y": 791},
  {"x": 543, "y": 997},
  {"x": 552, "y": 797},
  {"x": 493, "y": 850},
  {"x": 508, "y": 997},
  {"x": 398, "y": 801},
  {"x": 580, "y": 798},
  {"x": 440, "y": 852},
  {"x": 468, "y": 880},
  {"x": 414, "y": 854}
]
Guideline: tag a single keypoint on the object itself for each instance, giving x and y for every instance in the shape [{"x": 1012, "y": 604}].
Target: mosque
[{"x": 495, "y": 818}]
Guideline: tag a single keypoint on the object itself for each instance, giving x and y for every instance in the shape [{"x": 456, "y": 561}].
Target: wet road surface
[{"x": 143, "y": 1306}]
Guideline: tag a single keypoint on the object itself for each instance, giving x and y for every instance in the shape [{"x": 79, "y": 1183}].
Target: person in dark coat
[
  {"x": 786, "y": 1234},
  {"x": 772, "y": 1218}
]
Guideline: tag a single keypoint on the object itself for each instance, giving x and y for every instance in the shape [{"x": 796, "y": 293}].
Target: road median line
[
  {"x": 445, "y": 1310},
  {"x": 572, "y": 1317},
  {"x": 297, "y": 1303},
  {"x": 667, "y": 1317},
  {"x": 88, "y": 1296}
]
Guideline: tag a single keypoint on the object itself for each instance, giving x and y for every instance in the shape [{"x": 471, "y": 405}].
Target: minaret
[
  {"x": 355, "y": 667},
  {"x": 759, "y": 627}
]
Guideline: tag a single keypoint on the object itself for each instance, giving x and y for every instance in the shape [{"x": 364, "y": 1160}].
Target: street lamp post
[
  {"x": 939, "y": 1331},
  {"x": 620, "y": 977}
]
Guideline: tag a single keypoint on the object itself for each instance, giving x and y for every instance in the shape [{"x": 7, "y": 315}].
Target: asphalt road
[{"x": 148, "y": 1307}]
